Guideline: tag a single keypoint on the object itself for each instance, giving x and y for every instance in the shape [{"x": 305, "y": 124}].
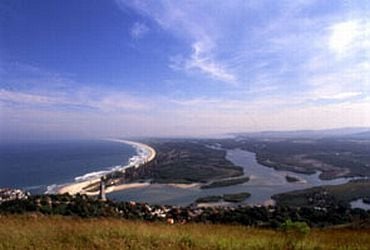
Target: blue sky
[{"x": 89, "y": 68}]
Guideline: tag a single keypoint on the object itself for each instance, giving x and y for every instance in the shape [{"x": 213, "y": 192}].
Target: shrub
[{"x": 294, "y": 232}]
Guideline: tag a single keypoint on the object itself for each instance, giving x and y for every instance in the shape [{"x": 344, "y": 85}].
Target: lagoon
[{"x": 264, "y": 182}]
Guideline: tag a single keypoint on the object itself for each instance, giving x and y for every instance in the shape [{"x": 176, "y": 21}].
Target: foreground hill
[
  {"x": 35, "y": 231},
  {"x": 329, "y": 214}
]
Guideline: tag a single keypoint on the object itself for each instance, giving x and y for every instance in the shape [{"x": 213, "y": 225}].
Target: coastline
[
  {"x": 139, "y": 146},
  {"x": 145, "y": 154}
]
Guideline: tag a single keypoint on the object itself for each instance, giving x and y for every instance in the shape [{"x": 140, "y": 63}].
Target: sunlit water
[
  {"x": 264, "y": 183},
  {"x": 360, "y": 204}
]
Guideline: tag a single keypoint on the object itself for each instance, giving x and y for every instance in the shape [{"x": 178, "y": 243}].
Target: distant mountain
[{"x": 312, "y": 134}]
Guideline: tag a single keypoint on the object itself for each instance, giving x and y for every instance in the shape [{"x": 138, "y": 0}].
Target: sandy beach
[
  {"x": 129, "y": 185},
  {"x": 151, "y": 152},
  {"x": 146, "y": 154},
  {"x": 75, "y": 188},
  {"x": 185, "y": 186}
]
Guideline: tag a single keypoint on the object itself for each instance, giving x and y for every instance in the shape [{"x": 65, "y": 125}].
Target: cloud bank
[{"x": 237, "y": 66}]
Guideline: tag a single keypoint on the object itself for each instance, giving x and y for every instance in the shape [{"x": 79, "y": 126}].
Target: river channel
[{"x": 264, "y": 182}]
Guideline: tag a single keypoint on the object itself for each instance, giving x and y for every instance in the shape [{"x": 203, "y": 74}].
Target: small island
[
  {"x": 209, "y": 199},
  {"x": 290, "y": 178},
  {"x": 226, "y": 182},
  {"x": 238, "y": 197}
]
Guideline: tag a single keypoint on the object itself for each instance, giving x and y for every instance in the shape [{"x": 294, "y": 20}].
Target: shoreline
[
  {"x": 145, "y": 154},
  {"x": 138, "y": 146}
]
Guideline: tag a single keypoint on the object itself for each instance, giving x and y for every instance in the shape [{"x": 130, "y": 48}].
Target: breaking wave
[{"x": 134, "y": 161}]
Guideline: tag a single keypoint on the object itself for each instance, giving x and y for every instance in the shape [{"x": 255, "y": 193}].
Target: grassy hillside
[{"x": 51, "y": 232}]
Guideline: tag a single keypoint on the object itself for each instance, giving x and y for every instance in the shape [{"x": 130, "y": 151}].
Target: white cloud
[
  {"x": 29, "y": 98},
  {"x": 221, "y": 116},
  {"x": 350, "y": 37},
  {"x": 105, "y": 101},
  {"x": 287, "y": 72},
  {"x": 343, "y": 35},
  {"x": 138, "y": 30},
  {"x": 338, "y": 96},
  {"x": 121, "y": 101},
  {"x": 330, "y": 79},
  {"x": 176, "y": 117},
  {"x": 201, "y": 61},
  {"x": 194, "y": 23}
]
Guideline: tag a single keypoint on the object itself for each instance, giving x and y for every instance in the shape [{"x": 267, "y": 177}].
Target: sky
[{"x": 127, "y": 68}]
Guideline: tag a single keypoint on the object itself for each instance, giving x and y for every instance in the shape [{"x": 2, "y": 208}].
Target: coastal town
[
  {"x": 317, "y": 215},
  {"x": 8, "y": 194}
]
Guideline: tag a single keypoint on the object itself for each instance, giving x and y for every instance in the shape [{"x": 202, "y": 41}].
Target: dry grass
[{"x": 39, "y": 232}]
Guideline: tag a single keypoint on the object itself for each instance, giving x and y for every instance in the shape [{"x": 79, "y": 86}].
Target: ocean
[{"x": 37, "y": 166}]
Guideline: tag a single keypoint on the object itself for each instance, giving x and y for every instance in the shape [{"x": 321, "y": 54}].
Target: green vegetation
[
  {"x": 193, "y": 160},
  {"x": 295, "y": 227},
  {"x": 272, "y": 216},
  {"x": 209, "y": 199},
  {"x": 51, "y": 232},
  {"x": 290, "y": 178},
  {"x": 335, "y": 157},
  {"x": 326, "y": 196},
  {"x": 239, "y": 197},
  {"x": 187, "y": 161},
  {"x": 226, "y": 183},
  {"x": 294, "y": 233}
]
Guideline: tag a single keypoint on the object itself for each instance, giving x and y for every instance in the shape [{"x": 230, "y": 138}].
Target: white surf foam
[{"x": 135, "y": 161}]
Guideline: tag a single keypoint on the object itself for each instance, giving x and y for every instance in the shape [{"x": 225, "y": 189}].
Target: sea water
[{"x": 35, "y": 166}]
